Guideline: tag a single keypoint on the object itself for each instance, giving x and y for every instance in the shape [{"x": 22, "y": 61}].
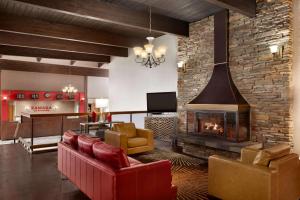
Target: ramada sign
[{"x": 42, "y": 108}]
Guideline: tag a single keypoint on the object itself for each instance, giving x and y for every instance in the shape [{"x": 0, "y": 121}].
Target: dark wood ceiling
[
  {"x": 186, "y": 10},
  {"x": 94, "y": 30}
]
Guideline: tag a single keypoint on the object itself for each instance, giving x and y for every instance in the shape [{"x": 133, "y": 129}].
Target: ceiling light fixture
[
  {"x": 147, "y": 56},
  {"x": 69, "y": 89}
]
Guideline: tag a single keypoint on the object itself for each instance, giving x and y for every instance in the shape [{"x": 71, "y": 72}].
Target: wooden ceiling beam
[
  {"x": 245, "y": 7},
  {"x": 45, "y": 53},
  {"x": 32, "y": 26},
  {"x": 51, "y": 68},
  {"x": 23, "y": 40},
  {"x": 114, "y": 14}
]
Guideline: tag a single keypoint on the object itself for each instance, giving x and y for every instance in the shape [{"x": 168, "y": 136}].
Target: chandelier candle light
[
  {"x": 70, "y": 90},
  {"x": 147, "y": 56}
]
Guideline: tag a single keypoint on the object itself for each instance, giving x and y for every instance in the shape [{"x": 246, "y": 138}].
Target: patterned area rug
[{"x": 189, "y": 174}]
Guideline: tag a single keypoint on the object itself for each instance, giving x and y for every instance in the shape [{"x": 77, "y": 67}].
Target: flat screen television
[{"x": 161, "y": 102}]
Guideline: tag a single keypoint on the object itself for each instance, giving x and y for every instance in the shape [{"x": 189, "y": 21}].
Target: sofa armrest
[
  {"x": 288, "y": 168},
  {"x": 146, "y": 133},
  {"x": 116, "y": 139},
  {"x": 231, "y": 179}
]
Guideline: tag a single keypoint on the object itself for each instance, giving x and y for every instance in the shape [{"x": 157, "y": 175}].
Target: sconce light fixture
[
  {"x": 181, "y": 66},
  {"x": 82, "y": 99},
  {"x": 5, "y": 98},
  {"x": 277, "y": 51}
]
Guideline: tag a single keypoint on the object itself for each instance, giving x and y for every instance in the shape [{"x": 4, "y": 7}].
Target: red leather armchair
[{"x": 99, "y": 181}]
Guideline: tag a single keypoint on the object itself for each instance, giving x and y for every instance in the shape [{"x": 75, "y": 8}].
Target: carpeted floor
[{"x": 189, "y": 174}]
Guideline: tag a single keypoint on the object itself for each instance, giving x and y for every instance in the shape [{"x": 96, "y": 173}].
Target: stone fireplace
[
  {"x": 265, "y": 82},
  {"x": 220, "y": 111}
]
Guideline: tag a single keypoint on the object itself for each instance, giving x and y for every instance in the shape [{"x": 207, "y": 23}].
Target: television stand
[{"x": 157, "y": 113}]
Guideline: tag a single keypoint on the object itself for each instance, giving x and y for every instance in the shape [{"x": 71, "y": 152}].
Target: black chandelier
[{"x": 147, "y": 56}]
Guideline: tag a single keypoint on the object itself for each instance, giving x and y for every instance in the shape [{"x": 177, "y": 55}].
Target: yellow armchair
[
  {"x": 132, "y": 140},
  {"x": 242, "y": 180}
]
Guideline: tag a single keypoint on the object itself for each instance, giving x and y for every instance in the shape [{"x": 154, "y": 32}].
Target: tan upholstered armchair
[
  {"x": 274, "y": 174},
  {"x": 132, "y": 140}
]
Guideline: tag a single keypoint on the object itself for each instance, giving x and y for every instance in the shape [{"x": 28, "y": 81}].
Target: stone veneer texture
[{"x": 263, "y": 80}]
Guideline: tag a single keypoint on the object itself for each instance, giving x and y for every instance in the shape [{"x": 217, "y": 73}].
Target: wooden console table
[{"x": 85, "y": 127}]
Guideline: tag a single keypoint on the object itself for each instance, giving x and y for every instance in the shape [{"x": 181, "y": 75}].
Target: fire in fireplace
[{"x": 210, "y": 124}]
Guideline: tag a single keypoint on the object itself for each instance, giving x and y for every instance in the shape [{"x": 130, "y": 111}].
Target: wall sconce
[
  {"x": 277, "y": 51},
  {"x": 5, "y": 98},
  {"x": 82, "y": 99},
  {"x": 181, "y": 66}
]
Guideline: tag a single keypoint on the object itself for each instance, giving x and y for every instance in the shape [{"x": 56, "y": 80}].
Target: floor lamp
[{"x": 102, "y": 104}]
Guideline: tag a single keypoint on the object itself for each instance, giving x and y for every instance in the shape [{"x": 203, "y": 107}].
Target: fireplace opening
[
  {"x": 226, "y": 125},
  {"x": 210, "y": 123}
]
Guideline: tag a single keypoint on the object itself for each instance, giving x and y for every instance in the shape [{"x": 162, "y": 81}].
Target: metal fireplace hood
[{"x": 220, "y": 92}]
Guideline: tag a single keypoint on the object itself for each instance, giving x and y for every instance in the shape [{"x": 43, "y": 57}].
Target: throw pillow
[{"x": 264, "y": 157}]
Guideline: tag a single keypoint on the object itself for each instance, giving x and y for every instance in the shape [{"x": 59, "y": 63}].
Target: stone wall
[{"x": 262, "y": 79}]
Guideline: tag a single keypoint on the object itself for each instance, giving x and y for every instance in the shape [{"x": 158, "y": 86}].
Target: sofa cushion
[
  {"x": 264, "y": 157},
  {"x": 113, "y": 156},
  {"x": 127, "y": 128},
  {"x": 85, "y": 144},
  {"x": 71, "y": 138},
  {"x": 137, "y": 142}
]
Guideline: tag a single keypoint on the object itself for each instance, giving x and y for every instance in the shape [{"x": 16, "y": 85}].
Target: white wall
[
  {"x": 129, "y": 81},
  {"x": 97, "y": 87},
  {"x": 296, "y": 76}
]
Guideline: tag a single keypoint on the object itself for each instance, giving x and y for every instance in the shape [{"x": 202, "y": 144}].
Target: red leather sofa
[{"x": 104, "y": 172}]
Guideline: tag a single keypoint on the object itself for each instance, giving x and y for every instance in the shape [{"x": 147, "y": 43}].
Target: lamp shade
[
  {"x": 162, "y": 50},
  {"x": 180, "y": 64},
  {"x": 149, "y": 48},
  {"x": 274, "y": 48},
  {"x": 101, "y": 103},
  {"x": 137, "y": 51}
]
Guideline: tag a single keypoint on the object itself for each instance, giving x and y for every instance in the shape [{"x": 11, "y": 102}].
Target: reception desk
[
  {"x": 42, "y": 125},
  {"x": 46, "y": 106}
]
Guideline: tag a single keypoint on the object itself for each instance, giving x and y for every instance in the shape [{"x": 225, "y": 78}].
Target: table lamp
[{"x": 101, "y": 104}]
